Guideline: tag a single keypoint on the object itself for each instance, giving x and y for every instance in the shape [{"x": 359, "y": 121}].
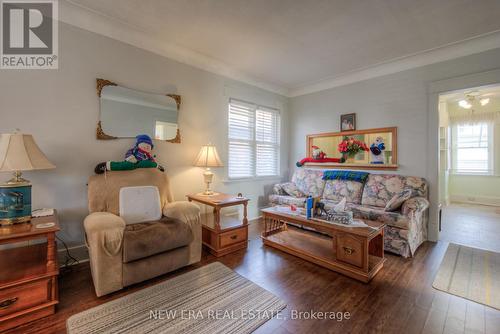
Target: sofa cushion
[
  {"x": 287, "y": 200},
  {"x": 337, "y": 189},
  {"x": 380, "y": 188},
  {"x": 146, "y": 239},
  {"x": 369, "y": 212},
  {"x": 309, "y": 181},
  {"x": 290, "y": 188},
  {"x": 397, "y": 200}
]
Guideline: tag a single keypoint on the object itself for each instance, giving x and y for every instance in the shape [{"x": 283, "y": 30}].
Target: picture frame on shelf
[{"x": 348, "y": 122}]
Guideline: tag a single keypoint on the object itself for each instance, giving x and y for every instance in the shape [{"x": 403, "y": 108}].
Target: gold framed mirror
[
  {"x": 360, "y": 149},
  {"x": 125, "y": 113}
]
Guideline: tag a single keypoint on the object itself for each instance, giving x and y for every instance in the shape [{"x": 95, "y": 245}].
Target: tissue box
[{"x": 343, "y": 217}]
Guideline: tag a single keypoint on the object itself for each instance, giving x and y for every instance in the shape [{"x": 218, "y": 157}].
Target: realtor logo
[{"x": 29, "y": 37}]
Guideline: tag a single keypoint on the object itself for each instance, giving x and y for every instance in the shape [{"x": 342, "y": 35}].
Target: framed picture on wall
[
  {"x": 348, "y": 122},
  {"x": 377, "y": 149}
]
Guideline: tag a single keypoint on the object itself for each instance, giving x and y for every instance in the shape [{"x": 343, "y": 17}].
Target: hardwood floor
[
  {"x": 400, "y": 299},
  {"x": 472, "y": 225}
]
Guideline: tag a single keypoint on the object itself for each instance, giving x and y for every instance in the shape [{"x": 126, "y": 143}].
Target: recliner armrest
[
  {"x": 188, "y": 213},
  {"x": 414, "y": 204},
  {"x": 182, "y": 210},
  {"x": 106, "y": 226},
  {"x": 104, "y": 239}
]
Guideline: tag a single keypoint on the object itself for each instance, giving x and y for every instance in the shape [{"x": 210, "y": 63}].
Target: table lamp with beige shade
[
  {"x": 207, "y": 158},
  {"x": 18, "y": 153}
]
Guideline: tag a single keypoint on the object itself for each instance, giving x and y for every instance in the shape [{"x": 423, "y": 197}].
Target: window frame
[
  {"x": 254, "y": 142},
  {"x": 491, "y": 156}
]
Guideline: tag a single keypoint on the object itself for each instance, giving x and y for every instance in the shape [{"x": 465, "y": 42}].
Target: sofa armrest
[
  {"x": 104, "y": 239},
  {"x": 414, "y": 204},
  {"x": 187, "y": 213}
]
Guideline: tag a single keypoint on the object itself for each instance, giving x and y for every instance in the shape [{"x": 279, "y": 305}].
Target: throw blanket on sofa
[{"x": 347, "y": 175}]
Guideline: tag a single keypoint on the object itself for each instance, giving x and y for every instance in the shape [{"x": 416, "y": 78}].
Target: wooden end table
[
  {"x": 28, "y": 274},
  {"x": 357, "y": 252},
  {"x": 222, "y": 235}
]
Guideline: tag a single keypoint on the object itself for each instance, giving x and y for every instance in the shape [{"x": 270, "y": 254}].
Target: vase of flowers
[{"x": 349, "y": 147}]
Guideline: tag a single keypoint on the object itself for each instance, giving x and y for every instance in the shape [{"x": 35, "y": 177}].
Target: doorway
[{"x": 469, "y": 166}]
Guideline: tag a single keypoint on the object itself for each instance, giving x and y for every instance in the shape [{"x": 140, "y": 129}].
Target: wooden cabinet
[
  {"x": 24, "y": 296},
  {"x": 233, "y": 237},
  {"x": 28, "y": 274},
  {"x": 222, "y": 235}
]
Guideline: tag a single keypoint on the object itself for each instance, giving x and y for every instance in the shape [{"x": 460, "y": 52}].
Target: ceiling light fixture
[
  {"x": 471, "y": 99},
  {"x": 464, "y": 104},
  {"x": 484, "y": 101}
]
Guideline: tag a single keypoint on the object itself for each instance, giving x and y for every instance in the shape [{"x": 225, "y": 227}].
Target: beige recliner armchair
[{"x": 120, "y": 254}]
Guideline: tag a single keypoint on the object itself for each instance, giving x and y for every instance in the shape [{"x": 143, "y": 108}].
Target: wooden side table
[
  {"x": 222, "y": 235},
  {"x": 28, "y": 275}
]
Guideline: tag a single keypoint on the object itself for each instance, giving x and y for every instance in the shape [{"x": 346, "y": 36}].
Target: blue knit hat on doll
[{"x": 143, "y": 139}]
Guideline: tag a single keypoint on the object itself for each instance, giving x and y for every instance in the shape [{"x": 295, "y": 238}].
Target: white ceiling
[
  {"x": 293, "y": 44},
  {"x": 492, "y": 91}
]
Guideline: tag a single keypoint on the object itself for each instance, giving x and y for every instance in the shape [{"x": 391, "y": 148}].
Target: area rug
[
  {"x": 470, "y": 273},
  {"x": 211, "y": 299}
]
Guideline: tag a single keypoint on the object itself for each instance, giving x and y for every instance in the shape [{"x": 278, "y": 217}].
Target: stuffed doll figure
[
  {"x": 141, "y": 151},
  {"x": 376, "y": 149},
  {"x": 317, "y": 153},
  {"x": 139, "y": 156}
]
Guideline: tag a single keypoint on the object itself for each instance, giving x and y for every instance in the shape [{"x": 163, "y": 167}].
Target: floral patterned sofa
[{"x": 405, "y": 229}]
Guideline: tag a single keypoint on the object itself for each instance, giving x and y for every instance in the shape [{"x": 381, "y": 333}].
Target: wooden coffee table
[{"x": 357, "y": 252}]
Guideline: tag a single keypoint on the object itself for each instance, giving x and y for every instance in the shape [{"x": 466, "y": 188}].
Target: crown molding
[
  {"x": 88, "y": 19},
  {"x": 455, "y": 50},
  {"x": 85, "y": 18}
]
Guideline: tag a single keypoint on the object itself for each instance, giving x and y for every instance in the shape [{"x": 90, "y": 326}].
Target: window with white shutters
[{"x": 254, "y": 140}]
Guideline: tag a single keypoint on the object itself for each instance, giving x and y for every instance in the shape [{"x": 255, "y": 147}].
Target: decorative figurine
[
  {"x": 139, "y": 156},
  {"x": 377, "y": 148},
  {"x": 317, "y": 153}
]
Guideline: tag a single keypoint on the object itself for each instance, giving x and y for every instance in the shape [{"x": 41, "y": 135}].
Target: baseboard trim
[
  {"x": 471, "y": 199},
  {"x": 79, "y": 252},
  {"x": 254, "y": 220}
]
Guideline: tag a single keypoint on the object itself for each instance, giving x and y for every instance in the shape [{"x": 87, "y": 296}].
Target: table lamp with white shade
[
  {"x": 207, "y": 158},
  {"x": 18, "y": 153}
]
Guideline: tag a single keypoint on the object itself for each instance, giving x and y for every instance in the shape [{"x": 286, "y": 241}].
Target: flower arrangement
[{"x": 349, "y": 147}]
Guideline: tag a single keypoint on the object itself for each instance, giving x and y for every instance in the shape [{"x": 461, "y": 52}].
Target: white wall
[
  {"x": 400, "y": 99},
  {"x": 60, "y": 108}
]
